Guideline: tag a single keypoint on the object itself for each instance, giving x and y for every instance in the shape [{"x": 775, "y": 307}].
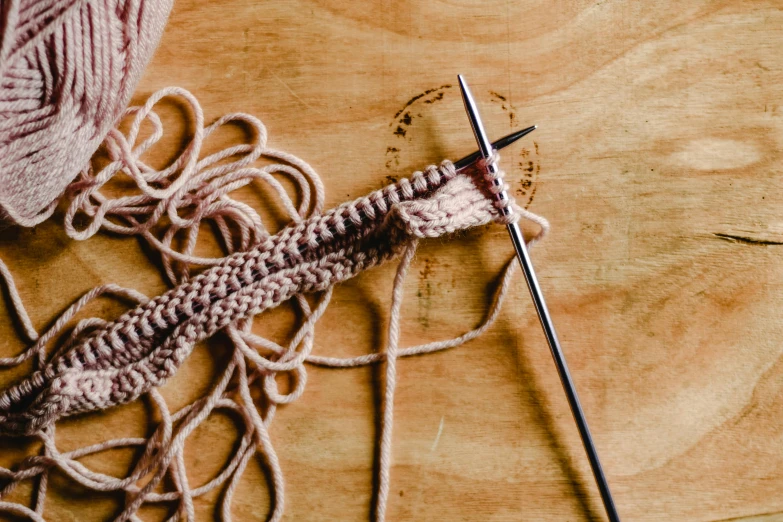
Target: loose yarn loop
[
  {"x": 106, "y": 363},
  {"x": 67, "y": 70},
  {"x": 190, "y": 191}
]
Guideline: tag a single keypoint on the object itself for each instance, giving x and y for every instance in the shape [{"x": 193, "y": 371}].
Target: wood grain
[{"x": 658, "y": 162}]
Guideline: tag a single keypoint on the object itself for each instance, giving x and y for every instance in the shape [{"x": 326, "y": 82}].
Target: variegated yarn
[
  {"x": 67, "y": 71},
  {"x": 102, "y": 364}
]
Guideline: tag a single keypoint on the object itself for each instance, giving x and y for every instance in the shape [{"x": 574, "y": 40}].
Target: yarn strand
[
  {"x": 67, "y": 71},
  {"x": 104, "y": 363},
  {"x": 387, "y": 418}
]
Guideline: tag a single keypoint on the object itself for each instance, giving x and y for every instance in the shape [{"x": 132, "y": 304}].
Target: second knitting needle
[{"x": 485, "y": 148}]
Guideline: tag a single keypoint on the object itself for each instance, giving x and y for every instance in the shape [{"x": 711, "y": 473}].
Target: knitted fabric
[
  {"x": 145, "y": 346},
  {"x": 103, "y": 364}
]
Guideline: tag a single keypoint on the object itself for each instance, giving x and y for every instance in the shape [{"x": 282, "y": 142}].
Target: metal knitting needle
[
  {"x": 502, "y": 143},
  {"x": 485, "y": 148}
]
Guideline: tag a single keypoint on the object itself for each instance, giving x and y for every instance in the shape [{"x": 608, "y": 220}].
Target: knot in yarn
[{"x": 67, "y": 70}]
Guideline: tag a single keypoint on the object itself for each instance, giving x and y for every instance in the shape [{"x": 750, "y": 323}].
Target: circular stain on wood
[{"x": 522, "y": 166}]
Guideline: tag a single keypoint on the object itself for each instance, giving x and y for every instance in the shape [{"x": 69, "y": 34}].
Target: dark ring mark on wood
[
  {"x": 407, "y": 118},
  {"x": 529, "y": 167},
  {"x": 418, "y": 96},
  {"x": 404, "y": 119}
]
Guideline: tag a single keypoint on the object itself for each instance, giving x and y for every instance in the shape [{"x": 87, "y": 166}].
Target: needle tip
[{"x": 463, "y": 85}]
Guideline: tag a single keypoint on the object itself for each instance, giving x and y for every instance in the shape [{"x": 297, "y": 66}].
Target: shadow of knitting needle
[{"x": 543, "y": 416}]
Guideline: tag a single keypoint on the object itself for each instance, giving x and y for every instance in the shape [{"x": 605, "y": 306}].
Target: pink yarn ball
[{"x": 67, "y": 71}]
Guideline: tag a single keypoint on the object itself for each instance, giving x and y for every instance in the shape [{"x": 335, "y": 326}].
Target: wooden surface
[{"x": 658, "y": 163}]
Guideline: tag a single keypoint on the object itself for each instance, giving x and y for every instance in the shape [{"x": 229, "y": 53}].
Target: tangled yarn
[
  {"x": 67, "y": 70},
  {"x": 103, "y": 364}
]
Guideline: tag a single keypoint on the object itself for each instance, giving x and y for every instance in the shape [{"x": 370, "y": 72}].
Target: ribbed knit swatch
[{"x": 102, "y": 364}]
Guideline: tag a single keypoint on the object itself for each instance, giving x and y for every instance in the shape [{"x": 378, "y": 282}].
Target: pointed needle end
[
  {"x": 505, "y": 141},
  {"x": 502, "y": 143}
]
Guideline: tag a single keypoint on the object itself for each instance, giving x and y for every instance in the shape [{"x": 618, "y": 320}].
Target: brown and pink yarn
[{"x": 103, "y": 364}]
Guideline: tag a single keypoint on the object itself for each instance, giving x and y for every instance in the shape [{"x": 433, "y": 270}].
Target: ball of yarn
[{"x": 67, "y": 71}]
